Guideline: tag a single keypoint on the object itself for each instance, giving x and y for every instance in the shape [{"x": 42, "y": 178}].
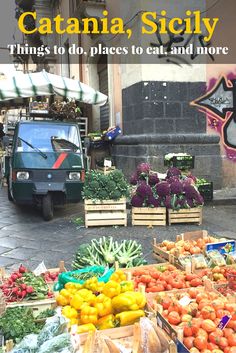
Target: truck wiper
[{"x": 34, "y": 148}]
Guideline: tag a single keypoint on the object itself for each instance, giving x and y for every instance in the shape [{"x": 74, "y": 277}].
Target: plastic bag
[
  {"x": 215, "y": 259},
  {"x": 54, "y": 326},
  {"x": 29, "y": 344},
  {"x": 199, "y": 261},
  {"x": 59, "y": 344}
]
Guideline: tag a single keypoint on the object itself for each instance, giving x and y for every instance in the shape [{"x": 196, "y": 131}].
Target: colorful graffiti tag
[{"x": 219, "y": 103}]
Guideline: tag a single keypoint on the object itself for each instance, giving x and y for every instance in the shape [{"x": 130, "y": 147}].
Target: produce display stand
[
  {"x": 36, "y": 305},
  {"x": 206, "y": 190},
  {"x": 192, "y": 215},
  {"x": 180, "y": 162},
  {"x": 105, "y": 213},
  {"x": 147, "y": 216}
]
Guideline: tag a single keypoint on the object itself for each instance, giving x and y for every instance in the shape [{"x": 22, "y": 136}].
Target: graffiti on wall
[
  {"x": 180, "y": 41},
  {"x": 219, "y": 103}
]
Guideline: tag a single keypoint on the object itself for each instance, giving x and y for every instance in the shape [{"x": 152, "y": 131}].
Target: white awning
[{"x": 44, "y": 84}]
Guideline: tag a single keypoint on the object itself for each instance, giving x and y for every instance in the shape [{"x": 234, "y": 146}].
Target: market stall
[{"x": 110, "y": 304}]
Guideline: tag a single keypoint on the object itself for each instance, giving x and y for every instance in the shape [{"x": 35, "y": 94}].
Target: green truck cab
[{"x": 46, "y": 167}]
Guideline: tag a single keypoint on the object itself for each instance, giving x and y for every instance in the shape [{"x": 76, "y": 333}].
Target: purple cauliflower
[
  {"x": 134, "y": 179},
  {"x": 173, "y": 172},
  {"x": 172, "y": 179},
  {"x": 188, "y": 181},
  {"x": 182, "y": 202},
  {"x": 144, "y": 189},
  {"x": 143, "y": 168},
  {"x": 137, "y": 201},
  {"x": 153, "y": 180},
  {"x": 167, "y": 202},
  {"x": 199, "y": 200},
  {"x": 190, "y": 191},
  {"x": 191, "y": 176},
  {"x": 163, "y": 189},
  {"x": 190, "y": 202},
  {"x": 176, "y": 187},
  {"x": 151, "y": 201}
]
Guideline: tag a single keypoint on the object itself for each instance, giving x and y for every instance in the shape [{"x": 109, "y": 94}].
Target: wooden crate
[
  {"x": 105, "y": 213},
  {"x": 148, "y": 216},
  {"x": 195, "y": 235},
  {"x": 192, "y": 215},
  {"x": 36, "y": 305},
  {"x": 127, "y": 336}
]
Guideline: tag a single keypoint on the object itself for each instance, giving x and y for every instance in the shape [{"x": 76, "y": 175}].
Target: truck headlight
[
  {"x": 74, "y": 176},
  {"x": 22, "y": 175}
]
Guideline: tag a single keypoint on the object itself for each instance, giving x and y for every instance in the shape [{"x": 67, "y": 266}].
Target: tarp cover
[{"x": 43, "y": 84}]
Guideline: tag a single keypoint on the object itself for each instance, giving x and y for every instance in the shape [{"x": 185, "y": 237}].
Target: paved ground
[{"x": 25, "y": 237}]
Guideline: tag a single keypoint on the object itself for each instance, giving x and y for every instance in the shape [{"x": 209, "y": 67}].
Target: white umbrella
[{"x": 44, "y": 84}]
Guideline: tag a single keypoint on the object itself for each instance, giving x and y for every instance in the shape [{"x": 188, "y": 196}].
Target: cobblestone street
[{"x": 26, "y": 237}]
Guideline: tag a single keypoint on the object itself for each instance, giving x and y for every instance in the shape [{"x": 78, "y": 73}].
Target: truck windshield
[{"x": 48, "y": 138}]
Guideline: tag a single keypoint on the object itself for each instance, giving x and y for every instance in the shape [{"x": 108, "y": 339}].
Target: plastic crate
[
  {"x": 206, "y": 190},
  {"x": 181, "y": 163}
]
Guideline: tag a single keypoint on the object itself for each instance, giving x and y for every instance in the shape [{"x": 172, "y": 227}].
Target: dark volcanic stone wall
[{"x": 157, "y": 119}]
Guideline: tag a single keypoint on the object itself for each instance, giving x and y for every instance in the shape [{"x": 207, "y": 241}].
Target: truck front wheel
[{"x": 47, "y": 207}]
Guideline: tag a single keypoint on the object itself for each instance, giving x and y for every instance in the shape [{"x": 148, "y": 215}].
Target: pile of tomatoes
[
  {"x": 200, "y": 319},
  {"x": 165, "y": 278},
  {"x": 187, "y": 247}
]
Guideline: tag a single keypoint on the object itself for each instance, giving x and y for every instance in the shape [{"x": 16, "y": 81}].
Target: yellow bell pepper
[
  {"x": 91, "y": 284},
  {"x": 85, "y": 328},
  {"x": 103, "y": 305},
  {"x": 71, "y": 286},
  {"x": 118, "y": 276},
  {"x": 69, "y": 312},
  {"x": 128, "y": 301},
  {"x": 73, "y": 322},
  {"x": 106, "y": 322},
  {"x": 66, "y": 293},
  {"x": 77, "y": 301},
  {"x": 129, "y": 317},
  {"x": 126, "y": 286},
  {"x": 88, "y": 315},
  {"x": 62, "y": 301},
  {"x": 111, "y": 289},
  {"x": 87, "y": 295},
  {"x": 100, "y": 287}
]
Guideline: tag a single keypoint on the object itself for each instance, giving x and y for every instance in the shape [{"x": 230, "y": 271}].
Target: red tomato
[
  {"x": 188, "y": 332},
  {"x": 202, "y": 332},
  {"x": 177, "y": 283},
  {"x": 232, "y": 340},
  {"x": 223, "y": 343},
  {"x": 196, "y": 282},
  {"x": 193, "y": 293},
  {"x": 145, "y": 278},
  {"x": 228, "y": 332},
  {"x": 208, "y": 312},
  {"x": 174, "y": 318},
  {"x": 203, "y": 303},
  {"x": 232, "y": 324},
  {"x": 188, "y": 342},
  {"x": 208, "y": 325},
  {"x": 155, "y": 274},
  {"x": 212, "y": 346},
  {"x": 165, "y": 303},
  {"x": 201, "y": 296},
  {"x": 190, "y": 276},
  {"x": 200, "y": 342},
  {"x": 218, "y": 304}
]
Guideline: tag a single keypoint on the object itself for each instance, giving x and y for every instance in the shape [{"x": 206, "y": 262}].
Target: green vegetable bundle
[
  {"x": 105, "y": 252},
  {"x": 112, "y": 186}
]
